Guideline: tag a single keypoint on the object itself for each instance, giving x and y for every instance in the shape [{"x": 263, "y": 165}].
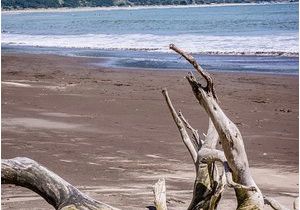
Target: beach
[{"x": 109, "y": 132}]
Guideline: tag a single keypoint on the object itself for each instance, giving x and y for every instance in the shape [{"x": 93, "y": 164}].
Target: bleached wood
[
  {"x": 207, "y": 189},
  {"x": 160, "y": 197},
  {"x": 184, "y": 135},
  {"x": 209, "y": 80},
  {"x": 56, "y": 191},
  {"x": 230, "y": 137},
  {"x": 274, "y": 204},
  {"x": 296, "y": 204},
  {"x": 211, "y": 137},
  {"x": 211, "y": 155},
  {"x": 197, "y": 141}
]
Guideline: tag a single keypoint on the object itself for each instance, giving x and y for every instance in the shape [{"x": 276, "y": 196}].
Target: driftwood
[
  {"x": 57, "y": 192},
  {"x": 208, "y": 185},
  {"x": 25, "y": 172},
  {"x": 160, "y": 197},
  {"x": 233, "y": 156},
  {"x": 211, "y": 178}
]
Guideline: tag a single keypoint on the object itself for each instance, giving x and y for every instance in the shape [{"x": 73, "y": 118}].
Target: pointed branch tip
[{"x": 209, "y": 80}]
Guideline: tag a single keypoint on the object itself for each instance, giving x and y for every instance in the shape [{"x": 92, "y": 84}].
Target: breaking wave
[{"x": 270, "y": 45}]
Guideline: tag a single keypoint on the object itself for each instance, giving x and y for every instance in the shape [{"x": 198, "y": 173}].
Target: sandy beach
[{"x": 109, "y": 132}]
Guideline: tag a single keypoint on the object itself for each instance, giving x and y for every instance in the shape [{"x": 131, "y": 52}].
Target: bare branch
[
  {"x": 204, "y": 196},
  {"x": 184, "y": 135},
  {"x": 209, "y": 80},
  {"x": 274, "y": 204},
  {"x": 160, "y": 197},
  {"x": 198, "y": 141}
]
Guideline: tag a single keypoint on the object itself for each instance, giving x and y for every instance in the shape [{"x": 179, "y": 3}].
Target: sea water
[{"x": 246, "y": 37}]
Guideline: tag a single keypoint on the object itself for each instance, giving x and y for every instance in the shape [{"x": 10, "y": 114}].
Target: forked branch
[
  {"x": 212, "y": 155},
  {"x": 209, "y": 80},
  {"x": 198, "y": 142}
]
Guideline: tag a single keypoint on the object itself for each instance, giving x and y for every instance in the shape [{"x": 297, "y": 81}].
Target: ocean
[{"x": 246, "y": 38}]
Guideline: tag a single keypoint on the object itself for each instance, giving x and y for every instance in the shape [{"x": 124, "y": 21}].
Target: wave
[{"x": 277, "y": 45}]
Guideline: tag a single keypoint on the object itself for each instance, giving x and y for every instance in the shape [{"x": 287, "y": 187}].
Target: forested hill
[{"x": 23, "y": 4}]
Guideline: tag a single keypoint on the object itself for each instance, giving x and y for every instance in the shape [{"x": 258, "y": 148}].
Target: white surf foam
[{"x": 248, "y": 45}]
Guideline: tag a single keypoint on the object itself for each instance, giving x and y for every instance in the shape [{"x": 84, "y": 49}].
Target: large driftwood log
[
  {"x": 60, "y": 194},
  {"x": 204, "y": 154},
  {"x": 232, "y": 143},
  {"x": 25, "y": 172}
]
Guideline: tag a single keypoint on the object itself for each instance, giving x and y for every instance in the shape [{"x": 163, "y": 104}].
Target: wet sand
[{"x": 109, "y": 131}]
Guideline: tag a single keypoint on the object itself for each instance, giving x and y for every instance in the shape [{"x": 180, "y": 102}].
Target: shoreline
[
  {"x": 157, "y": 50},
  {"x": 88, "y": 9},
  {"x": 106, "y": 62}
]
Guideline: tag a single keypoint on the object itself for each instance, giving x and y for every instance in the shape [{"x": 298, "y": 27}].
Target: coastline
[
  {"x": 168, "y": 61},
  {"x": 28, "y": 48},
  {"x": 98, "y": 63},
  {"x": 109, "y": 132},
  {"x": 89, "y": 9}
]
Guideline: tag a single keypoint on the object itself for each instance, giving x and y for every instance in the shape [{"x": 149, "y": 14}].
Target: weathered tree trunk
[
  {"x": 56, "y": 191},
  {"x": 207, "y": 187},
  {"x": 234, "y": 157}
]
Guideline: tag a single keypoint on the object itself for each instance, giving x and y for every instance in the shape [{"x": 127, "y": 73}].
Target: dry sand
[{"x": 109, "y": 131}]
